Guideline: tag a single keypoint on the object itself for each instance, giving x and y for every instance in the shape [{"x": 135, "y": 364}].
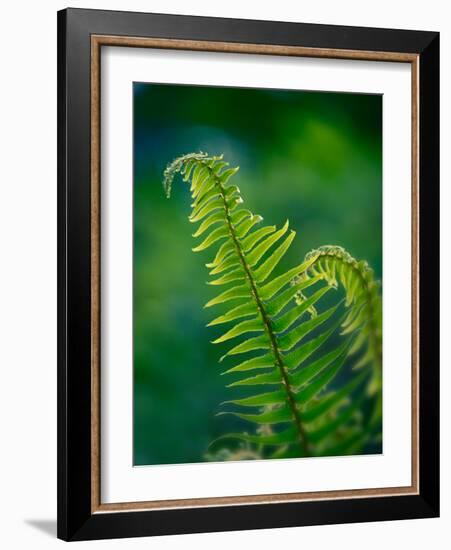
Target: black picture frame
[{"x": 76, "y": 520}]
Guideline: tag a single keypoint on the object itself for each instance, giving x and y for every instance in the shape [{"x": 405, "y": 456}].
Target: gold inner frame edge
[{"x": 97, "y": 41}]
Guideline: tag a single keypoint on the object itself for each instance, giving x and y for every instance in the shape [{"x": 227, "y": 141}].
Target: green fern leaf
[{"x": 271, "y": 315}]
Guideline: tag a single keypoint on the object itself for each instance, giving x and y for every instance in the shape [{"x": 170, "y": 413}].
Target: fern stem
[{"x": 303, "y": 442}]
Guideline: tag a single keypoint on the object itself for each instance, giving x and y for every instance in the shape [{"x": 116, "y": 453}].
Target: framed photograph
[{"x": 248, "y": 274}]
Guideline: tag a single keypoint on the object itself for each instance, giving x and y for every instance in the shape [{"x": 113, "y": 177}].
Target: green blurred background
[{"x": 312, "y": 157}]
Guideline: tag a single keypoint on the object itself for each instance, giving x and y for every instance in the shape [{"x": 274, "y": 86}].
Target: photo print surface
[{"x": 257, "y": 286}]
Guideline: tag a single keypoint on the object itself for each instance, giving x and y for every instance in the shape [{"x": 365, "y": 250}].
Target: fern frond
[
  {"x": 270, "y": 325},
  {"x": 336, "y": 267}
]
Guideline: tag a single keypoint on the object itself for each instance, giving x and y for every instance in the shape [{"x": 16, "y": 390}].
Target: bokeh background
[{"x": 312, "y": 157}]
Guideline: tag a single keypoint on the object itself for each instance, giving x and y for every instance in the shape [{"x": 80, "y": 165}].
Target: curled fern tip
[{"x": 177, "y": 166}]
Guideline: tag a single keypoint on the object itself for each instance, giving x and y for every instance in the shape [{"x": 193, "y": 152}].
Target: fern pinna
[{"x": 291, "y": 347}]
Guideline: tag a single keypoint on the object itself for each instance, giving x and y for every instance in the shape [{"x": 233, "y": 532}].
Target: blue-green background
[{"x": 312, "y": 157}]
